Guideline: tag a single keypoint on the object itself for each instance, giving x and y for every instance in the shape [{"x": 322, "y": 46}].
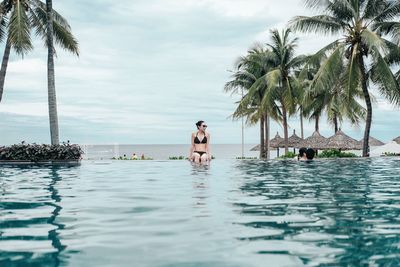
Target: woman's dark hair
[
  {"x": 198, "y": 124},
  {"x": 302, "y": 151},
  {"x": 310, "y": 153}
]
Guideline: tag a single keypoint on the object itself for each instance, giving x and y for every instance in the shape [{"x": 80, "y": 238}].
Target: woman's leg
[
  {"x": 204, "y": 157},
  {"x": 196, "y": 157}
]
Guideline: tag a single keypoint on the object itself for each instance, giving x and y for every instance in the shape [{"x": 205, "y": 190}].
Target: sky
[{"x": 149, "y": 69}]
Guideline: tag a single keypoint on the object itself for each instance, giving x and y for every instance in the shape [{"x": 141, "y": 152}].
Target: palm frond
[
  {"x": 3, "y": 27},
  {"x": 382, "y": 75},
  {"x": 62, "y": 31},
  {"x": 40, "y": 8},
  {"x": 391, "y": 28},
  {"x": 19, "y": 29},
  {"x": 391, "y": 11},
  {"x": 318, "y": 24},
  {"x": 373, "y": 8},
  {"x": 373, "y": 41},
  {"x": 330, "y": 70},
  {"x": 352, "y": 76}
]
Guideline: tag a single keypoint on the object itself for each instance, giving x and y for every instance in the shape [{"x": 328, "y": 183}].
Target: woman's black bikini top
[{"x": 203, "y": 141}]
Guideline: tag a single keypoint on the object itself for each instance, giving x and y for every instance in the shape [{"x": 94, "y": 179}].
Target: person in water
[
  {"x": 200, "y": 148},
  {"x": 310, "y": 153},
  {"x": 302, "y": 154}
]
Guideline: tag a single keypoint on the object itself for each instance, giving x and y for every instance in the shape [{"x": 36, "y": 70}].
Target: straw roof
[
  {"x": 293, "y": 141},
  {"x": 397, "y": 140},
  {"x": 272, "y": 143},
  {"x": 316, "y": 141},
  {"x": 373, "y": 141},
  {"x": 342, "y": 141}
]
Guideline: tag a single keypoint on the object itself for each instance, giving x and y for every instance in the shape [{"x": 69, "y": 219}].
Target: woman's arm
[
  {"x": 191, "y": 147},
  {"x": 208, "y": 147}
]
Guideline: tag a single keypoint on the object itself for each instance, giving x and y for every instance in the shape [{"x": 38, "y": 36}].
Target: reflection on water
[
  {"x": 30, "y": 204},
  {"x": 237, "y": 213},
  {"x": 339, "y": 212}
]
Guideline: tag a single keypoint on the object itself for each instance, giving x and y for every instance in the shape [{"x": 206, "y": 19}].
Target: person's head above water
[
  {"x": 302, "y": 152},
  {"x": 310, "y": 153},
  {"x": 201, "y": 125}
]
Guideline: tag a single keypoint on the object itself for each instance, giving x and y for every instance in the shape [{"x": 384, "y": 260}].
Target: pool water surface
[{"x": 231, "y": 213}]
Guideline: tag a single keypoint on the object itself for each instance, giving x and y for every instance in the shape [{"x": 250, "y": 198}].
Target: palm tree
[
  {"x": 363, "y": 55},
  {"x": 280, "y": 78},
  {"x": 27, "y": 16},
  {"x": 51, "y": 76},
  {"x": 249, "y": 77},
  {"x": 332, "y": 100}
]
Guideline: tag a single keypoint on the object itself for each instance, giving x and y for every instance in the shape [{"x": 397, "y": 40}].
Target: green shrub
[
  {"x": 334, "y": 153},
  {"x": 125, "y": 158},
  {"x": 288, "y": 155},
  {"x": 176, "y": 158},
  {"x": 34, "y": 152},
  {"x": 390, "y": 154}
]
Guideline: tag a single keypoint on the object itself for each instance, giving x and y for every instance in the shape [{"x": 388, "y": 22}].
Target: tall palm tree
[
  {"x": 280, "y": 77},
  {"x": 18, "y": 19},
  {"x": 54, "y": 134},
  {"x": 362, "y": 55},
  {"x": 249, "y": 77}
]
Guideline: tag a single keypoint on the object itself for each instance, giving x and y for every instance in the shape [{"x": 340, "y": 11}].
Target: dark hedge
[{"x": 35, "y": 152}]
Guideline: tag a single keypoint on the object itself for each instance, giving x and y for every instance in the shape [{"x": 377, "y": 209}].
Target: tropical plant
[
  {"x": 18, "y": 19},
  {"x": 334, "y": 153},
  {"x": 280, "y": 78},
  {"x": 363, "y": 54},
  {"x": 249, "y": 77},
  {"x": 52, "y": 100},
  {"x": 36, "y": 152},
  {"x": 288, "y": 155},
  {"x": 333, "y": 101}
]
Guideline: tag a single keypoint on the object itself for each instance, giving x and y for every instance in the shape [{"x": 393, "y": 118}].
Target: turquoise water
[{"x": 232, "y": 213}]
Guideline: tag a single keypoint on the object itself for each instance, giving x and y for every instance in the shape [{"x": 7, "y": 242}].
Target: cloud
[{"x": 148, "y": 69}]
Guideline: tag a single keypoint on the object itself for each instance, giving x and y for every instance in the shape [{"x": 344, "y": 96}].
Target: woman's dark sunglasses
[{"x": 204, "y": 126}]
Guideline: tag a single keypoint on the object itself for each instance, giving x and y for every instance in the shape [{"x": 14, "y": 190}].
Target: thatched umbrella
[
  {"x": 274, "y": 143},
  {"x": 373, "y": 141},
  {"x": 342, "y": 141},
  {"x": 293, "y": 141},
  {"x": 397, "y": 140},
  {"x": 316, "y": 141}
]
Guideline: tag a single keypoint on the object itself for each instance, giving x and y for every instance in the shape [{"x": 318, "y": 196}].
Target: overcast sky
[{"x": 149, "y": 69}]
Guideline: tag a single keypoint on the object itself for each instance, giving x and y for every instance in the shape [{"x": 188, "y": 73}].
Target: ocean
[{"x": 163, "y": 152}]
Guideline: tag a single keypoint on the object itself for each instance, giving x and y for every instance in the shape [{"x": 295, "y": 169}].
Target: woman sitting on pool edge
[{"x": 200, "y": 148}]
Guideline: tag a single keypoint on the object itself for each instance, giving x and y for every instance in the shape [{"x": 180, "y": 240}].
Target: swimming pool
[{"x": 232, "y": 213}]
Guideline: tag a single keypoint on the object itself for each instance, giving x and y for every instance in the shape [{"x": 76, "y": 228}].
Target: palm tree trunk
[
  {"x": 4, "y": 64},
  {"x": 368, "y": 122},
  {"x": 317, "y": 123},
  {"x": 301, "y": 123},
  {"x": 335, "y": 122},
  {"x": 267, "y": 131},
  {"x": 52, "y": 99},
  {"x": 285, "y": 128},
  {"x": 262, "y": 136}
]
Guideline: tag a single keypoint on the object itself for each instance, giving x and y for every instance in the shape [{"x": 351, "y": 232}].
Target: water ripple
[{"x": 232, "y": 213}]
